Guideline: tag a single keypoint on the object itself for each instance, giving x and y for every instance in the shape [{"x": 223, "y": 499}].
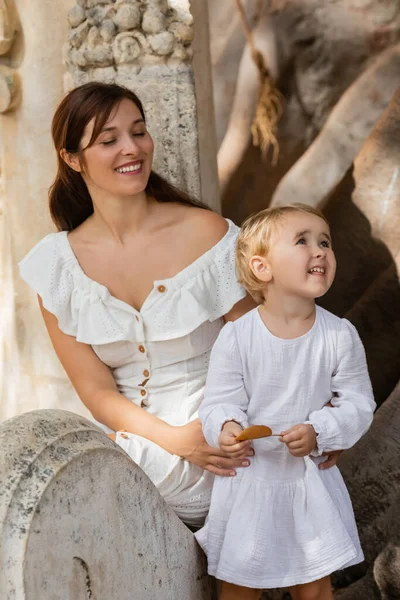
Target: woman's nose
[{"x": 129, "y": 145}]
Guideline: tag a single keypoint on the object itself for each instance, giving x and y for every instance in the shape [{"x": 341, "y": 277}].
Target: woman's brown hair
[{"x": 70, "y": 201}]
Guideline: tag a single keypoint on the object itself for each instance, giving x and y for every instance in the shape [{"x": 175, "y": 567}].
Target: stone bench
[{"x": 80, "y": 520}]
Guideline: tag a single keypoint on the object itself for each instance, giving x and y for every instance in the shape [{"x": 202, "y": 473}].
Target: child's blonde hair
[{"x": 254, "y": 240}]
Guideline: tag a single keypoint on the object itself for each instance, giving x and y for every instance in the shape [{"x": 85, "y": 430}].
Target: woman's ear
[
  {"x": 72, "y": 160},
  {"x": 261, "y": 268}
]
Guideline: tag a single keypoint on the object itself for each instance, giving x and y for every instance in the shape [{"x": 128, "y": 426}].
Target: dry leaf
[{"x": 254, "y": 432}]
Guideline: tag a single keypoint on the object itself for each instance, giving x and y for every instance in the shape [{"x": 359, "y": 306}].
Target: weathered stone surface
[
  {"x": 371, "y": 470},
  {"x": 30, "y": 373},
  {"x": 149, "y": 46},
  {"x": 76, "y": 16},
  {"x": 80, "y": 520},
  {"x": 127, "y": 17},
  {"x": 7, "y": 27},
  {"x": 10, "y": 89}
]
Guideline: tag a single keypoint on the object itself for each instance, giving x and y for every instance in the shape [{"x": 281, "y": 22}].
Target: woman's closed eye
[{"x": 113, "y": 140}]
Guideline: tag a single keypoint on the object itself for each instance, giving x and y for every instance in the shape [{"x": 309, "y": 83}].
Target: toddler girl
[{"x": 291, "y": 365}]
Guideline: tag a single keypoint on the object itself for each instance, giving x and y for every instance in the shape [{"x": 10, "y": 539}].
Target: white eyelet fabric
[{"x": 171, "y": 337}]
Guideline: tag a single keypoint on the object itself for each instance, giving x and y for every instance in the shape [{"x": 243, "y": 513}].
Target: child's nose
[{"x": 319, "y": 252}]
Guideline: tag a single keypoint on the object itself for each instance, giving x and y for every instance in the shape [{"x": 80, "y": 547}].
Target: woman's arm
[
  {"x": 240, "y": 309},
  {"x": 96, "y": 387}
]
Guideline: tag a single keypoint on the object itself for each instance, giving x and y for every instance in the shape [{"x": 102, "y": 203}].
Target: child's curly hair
[{"x": 254, "y": 240}]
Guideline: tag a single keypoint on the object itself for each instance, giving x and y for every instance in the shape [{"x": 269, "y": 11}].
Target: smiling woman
[
  {"x": 134, "y": 289},
  {"x": 90, "y": 130}
]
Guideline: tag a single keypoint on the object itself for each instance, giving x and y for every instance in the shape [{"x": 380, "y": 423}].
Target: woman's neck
[{"x": 118, "y": 218}]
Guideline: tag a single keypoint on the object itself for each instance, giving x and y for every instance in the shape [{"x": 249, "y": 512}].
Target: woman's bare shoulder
[{"x": 205, "y": 224}]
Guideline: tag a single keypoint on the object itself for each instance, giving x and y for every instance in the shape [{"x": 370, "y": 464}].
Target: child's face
[{"x": 301, "y": 258}]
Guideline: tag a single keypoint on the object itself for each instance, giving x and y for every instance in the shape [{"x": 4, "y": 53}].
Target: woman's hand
[
  {"x": 333, "y": 457},
  {"x": 190, "y": 444}
]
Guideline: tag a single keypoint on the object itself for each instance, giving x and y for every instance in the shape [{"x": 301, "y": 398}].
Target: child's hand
[
  {"x": 300, "y": 439},
  {"x": 227, "y": 441}
]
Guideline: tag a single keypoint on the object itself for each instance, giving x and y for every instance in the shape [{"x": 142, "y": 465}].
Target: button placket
[{"x": 146, "y": 372}]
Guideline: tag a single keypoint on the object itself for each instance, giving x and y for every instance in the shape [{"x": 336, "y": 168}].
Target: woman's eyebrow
[{"x": 113, "y": 128}]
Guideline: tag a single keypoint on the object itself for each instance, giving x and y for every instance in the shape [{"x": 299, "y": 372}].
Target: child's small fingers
[
  {"x": 296, "y": 445},
  {"x": 297, "y": 452},
  {"x": 294, "y": 436}
]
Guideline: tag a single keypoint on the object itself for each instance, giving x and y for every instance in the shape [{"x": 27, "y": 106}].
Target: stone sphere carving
[
  {"x": 9, "y": 89},
  {"x": 107, "y": 30},
  {"x": 94, "y": 37},
  {"x": 106, "y": 33},
  {"x": 153, "y": 21},
  {"x": 127, "y": 17},
  {"x": 76, "y": 16},
  {"x": 162, "y": 43},
  {"x": 126, "y": 48},
  {"x": 7, "y": 32},
  {"x": 183, "y": 33}
]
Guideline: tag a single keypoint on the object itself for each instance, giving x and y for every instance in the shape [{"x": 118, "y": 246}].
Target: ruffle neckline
[{"x": 204, "y": 290}]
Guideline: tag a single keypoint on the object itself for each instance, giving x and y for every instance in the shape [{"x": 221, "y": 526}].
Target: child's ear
[
  {"x": 261, "y": 268},
  {"x": 72, "y": 160}
]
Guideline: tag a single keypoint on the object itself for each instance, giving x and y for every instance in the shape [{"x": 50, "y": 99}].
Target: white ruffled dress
[
  {"x": 282, "y": 521},
  {"x": 158, "y": 356}
]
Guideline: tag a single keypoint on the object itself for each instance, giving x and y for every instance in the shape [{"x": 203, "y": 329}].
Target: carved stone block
[{"x": 79, "y": 519}]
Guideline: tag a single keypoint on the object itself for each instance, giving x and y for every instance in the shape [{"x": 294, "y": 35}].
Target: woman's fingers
[
  {"x": 227, "y": 464},
  {"x": 332, "y": 459},
  {"x": 221, "y": 472}
]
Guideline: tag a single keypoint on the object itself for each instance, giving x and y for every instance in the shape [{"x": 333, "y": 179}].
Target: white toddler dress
[
  {"x": 158, "y": 356},
  {"x": 282, "y": 521}
]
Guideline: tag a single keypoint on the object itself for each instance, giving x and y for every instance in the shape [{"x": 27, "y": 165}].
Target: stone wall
[{"x": 30, "y": 49}]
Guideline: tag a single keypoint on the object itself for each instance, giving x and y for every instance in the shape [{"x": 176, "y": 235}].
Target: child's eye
[
  {"x": 300, "y": 241},
  {"x": 325, "y": 244}
]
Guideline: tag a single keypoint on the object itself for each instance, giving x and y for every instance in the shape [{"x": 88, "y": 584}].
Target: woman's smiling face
[{"x": 120, "y": 159}]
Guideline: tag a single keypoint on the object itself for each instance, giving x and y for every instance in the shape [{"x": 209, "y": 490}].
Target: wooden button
[
  {"x": 161, "y": 288},
  {"x": 142, "y": 349},
  {"x": 123, "y": 435},
  {"x": 146, "y": 373},
  {"x": 143, "y": 404},
  {"x": 143, "y": 392}
]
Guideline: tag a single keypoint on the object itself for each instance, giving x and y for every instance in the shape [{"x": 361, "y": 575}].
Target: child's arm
[
  {"x": 225, "y": 398},
  {"x": 350, "y": 417}
]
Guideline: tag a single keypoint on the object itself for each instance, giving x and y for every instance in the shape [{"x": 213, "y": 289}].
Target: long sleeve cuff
[{"x": 217, "y": 417}]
